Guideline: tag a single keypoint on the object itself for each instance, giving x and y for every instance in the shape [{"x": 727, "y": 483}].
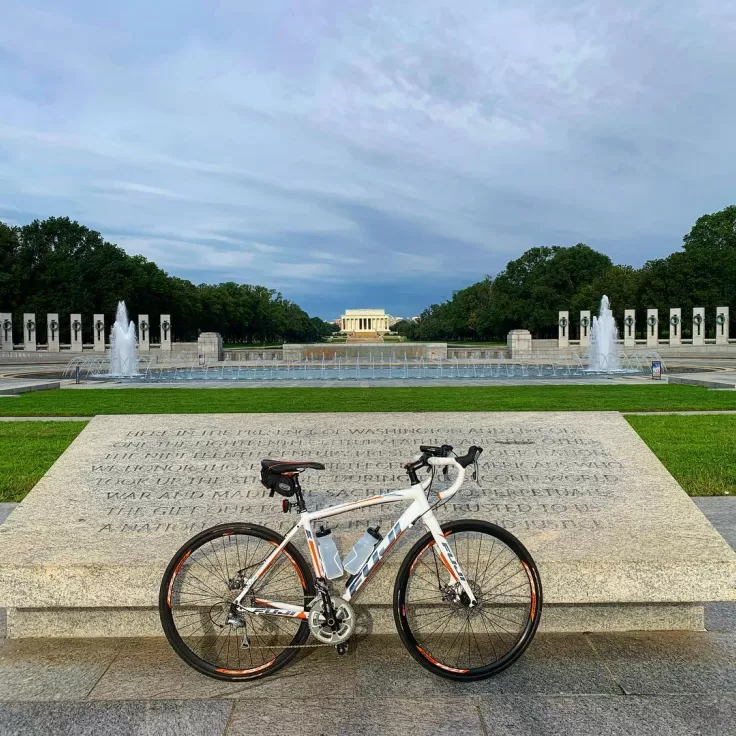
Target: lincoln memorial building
[{"x": 364, "y": 320}]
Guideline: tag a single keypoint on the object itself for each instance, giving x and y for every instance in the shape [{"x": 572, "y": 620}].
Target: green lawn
[
  {"x": 88, "y": 402},
  {"x": 28, "y": 450},
  {"x": 699, "y": 451}
]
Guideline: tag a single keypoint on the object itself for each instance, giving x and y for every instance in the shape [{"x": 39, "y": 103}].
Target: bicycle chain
[{"x": 295, "y": 646}]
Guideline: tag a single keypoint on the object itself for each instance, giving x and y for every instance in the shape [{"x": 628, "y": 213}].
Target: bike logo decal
[{"x": 455, "y": 569}]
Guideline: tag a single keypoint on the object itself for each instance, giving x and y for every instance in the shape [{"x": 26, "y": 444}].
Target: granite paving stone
[
  {"x": 364, "y": 716},
  {"x": 554, "y": 663},
  {"x": 721, "y": 512},
  {"x": 6, "y": 508},
  {"x": 191, "y": 718},
  {"x": 47, "y": 669},
  {"x": 670, "y": 662},
  {"x": 720, "y": 617},
  {"x": 149, "y": 668},
  {"x": 587, "y": 715}
]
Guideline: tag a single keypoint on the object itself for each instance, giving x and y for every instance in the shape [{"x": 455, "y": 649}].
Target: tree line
[
  {"x": 532, "y": 289},
  {"x": 58, "y": 265}
]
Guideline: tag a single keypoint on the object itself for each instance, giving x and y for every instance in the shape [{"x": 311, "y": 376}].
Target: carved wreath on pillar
[
  {"x": 585, "y": 322},
  {"x": 721, "y": 320},
  {"x": 165, "y": 327},
  {"x": 697, "y": 321},
  {"x": 76, "y": 326},
  {"x": 652, "y": 321},
  {"x": 629, "y": 322},
  {"x": 563, "y": 324},
  {"x": 100, "y": 325},
  {"x": 30, "y": 326},
  {"x": 7, "y": 326},
  {"x": 674, "y": 321},
  {"x": 144, "y": 327},
  {"x": 53, "y": 326}
]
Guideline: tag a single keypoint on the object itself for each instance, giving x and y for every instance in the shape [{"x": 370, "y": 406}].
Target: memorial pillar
[
  {"x": 652, "y": 328},
  {"x": 144, "y": 333},
  {"x": 99, "y": 333},
  {"x": 563, "y": 329},
  {"x": 675, "y": 326},
  {"x": 6, "y": 331},
  {"x": 52, "y": 332},
  {"x": 29, "y": 332},
  {"x": 165, "y": 333},
  {"x": 629, "y": 328},
  {"x": 75, "y": 323},
  {"x": 585, "y": 325},
  {"x": 722, "y": 319},
  {"x": 698, "y": 326}
]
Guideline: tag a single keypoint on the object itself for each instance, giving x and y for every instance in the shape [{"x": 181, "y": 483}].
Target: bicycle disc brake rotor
[{"x": 323, "y": 631}]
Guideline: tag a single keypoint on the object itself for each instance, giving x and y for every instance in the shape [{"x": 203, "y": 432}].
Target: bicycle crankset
[{"x": 321, "y": 628}]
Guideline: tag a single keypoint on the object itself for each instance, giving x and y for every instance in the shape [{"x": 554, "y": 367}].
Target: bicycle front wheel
[
  {"x": 436, "y": 624},
  {"x": 201, "y": 582}
]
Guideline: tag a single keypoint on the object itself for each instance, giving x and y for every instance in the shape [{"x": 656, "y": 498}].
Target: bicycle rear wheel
[
  {"x": 435, "y": 622},
  {"x": 201, "y": 582}
]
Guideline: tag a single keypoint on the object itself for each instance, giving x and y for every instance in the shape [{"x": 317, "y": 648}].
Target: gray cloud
[{"x": 379, "y": 153}]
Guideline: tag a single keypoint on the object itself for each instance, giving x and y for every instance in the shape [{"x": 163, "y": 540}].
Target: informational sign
[{"x": 657, "y": 369}]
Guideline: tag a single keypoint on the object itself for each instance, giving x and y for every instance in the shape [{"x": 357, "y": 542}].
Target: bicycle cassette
[{"x": 323, "y": 631}]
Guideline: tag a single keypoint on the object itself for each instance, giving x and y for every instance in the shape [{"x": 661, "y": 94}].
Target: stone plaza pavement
[{"x": 674, "y": 683}]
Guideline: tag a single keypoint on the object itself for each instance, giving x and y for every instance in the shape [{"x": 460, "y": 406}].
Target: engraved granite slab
[{"x": 604, "y": 519}]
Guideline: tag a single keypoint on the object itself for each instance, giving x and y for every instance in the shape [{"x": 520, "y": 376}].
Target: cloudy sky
[{"x": 359, "y": 153}]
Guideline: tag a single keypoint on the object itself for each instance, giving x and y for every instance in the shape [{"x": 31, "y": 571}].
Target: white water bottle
[
  {"x": 359, "y": 554},
  {"x": 329, "y": 553}
]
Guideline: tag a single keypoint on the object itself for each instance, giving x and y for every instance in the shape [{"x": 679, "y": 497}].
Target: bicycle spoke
[
  {"x": 444, "y": 625},
  {"x": 202, "y": 600}
]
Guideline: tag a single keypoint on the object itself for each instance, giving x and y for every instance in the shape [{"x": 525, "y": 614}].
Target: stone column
[
  {"x": 675, "y": 326},
  {"x": 52, "y": 332},
  {"x": 652, "y": 328},
  {"x": 144, "y": 333},
  {"x": 165, "y": 333},
  {"x": 29, "y": 332},
  {"x": 629, "y": 328},
  {"x": 698, "y": 325},
  {"x": 209, "y": 347},
  {"x": 722, "y": 319},
  {"x": 563, "y": 329},
  {"x": 75, "y": 323},
  {"x": 585, "y": 325},
  {"x": 519, "y": 343},
  {"x": 6, "y": 331},
  {"x": 99, "y": 332}
]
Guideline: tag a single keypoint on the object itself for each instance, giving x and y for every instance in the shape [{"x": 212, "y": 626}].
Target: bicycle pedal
[{"x": 342, "y": 648}]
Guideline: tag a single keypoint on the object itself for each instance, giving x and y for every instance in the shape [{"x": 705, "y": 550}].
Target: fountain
[
  {"x": 603, "y": 355},
  {"x": 123, "y": 345}
]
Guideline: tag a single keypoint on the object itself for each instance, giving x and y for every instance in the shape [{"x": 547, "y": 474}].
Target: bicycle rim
[
  {"x": 200, "y": 584},
  {"x": 441, "y": 630}
]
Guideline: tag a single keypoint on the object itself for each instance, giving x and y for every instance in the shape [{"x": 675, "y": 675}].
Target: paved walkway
[{"x": 675, "y": 683}]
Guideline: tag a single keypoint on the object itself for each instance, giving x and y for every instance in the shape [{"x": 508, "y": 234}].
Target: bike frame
[{"x": 418, "y": 508}]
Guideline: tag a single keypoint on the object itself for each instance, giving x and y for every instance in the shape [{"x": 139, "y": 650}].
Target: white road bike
[{"x": 238, "y": 600}]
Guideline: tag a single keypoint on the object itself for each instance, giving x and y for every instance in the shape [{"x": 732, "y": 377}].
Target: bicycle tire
[
  {"x": 167, "y": 594},
  {"x": 413, "y": 639}
]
